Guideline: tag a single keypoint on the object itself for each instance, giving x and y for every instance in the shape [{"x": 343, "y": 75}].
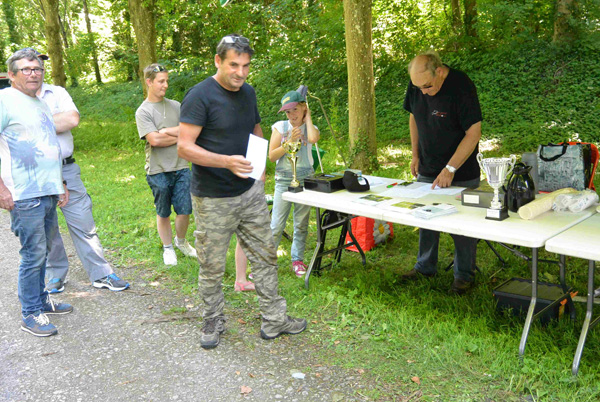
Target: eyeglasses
[
  {"x": 27, "y": 71},
  {"x": 235, "y": 39},
  {"x": 158, "y": 69}
]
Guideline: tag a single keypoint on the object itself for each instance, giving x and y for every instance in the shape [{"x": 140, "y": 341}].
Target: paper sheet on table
[
  {"x": 447, "y": 190},
  {"x": 374, "y": 181},
  {"x": 418, "y": 190},
  {"x": 257, "y": 155},
  {"x": 371, "y": 199}
]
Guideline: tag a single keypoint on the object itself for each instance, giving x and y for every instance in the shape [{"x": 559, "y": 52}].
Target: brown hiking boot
[
  {"x": 414, "y": 275},
  {"x": 291, "y": 326},
  {"x": 461, "y": 287}
]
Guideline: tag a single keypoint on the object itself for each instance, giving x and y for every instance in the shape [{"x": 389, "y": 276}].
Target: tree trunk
[
  {"x": 563, "y": 30},
  {"x": 361, "y": 84},
  {"x": 63, "y": 34},
  {"x": 142, "y": 19},
  {"x": 470, "y": 18},
  {"x": 11, "y": 22},
  {"x": 132, "y": 68},
  {"x": 88, "y": 25},
  {"x": 456, "y": 20},
  {"x": 53, "y": 42}
]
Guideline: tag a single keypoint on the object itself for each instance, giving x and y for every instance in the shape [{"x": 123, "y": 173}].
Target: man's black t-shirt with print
[
  {"x": 227, "y": 118},
  {"x": 442, "y": 121}
]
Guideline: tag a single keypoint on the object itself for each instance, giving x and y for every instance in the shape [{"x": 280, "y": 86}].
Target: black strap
[
  {"x": 68, "y": 161},
  {"x": 553, "y": 158}
]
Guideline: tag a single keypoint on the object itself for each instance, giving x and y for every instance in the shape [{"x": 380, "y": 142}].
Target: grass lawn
[{"x": 413, "y": 341}]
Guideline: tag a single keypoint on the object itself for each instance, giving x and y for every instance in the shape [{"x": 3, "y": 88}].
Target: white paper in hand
[{"x": 257, "y": 155}]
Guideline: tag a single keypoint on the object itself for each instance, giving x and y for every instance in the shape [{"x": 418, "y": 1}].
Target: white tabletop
[
  {"x": 582, "y": 240},
  {"x": 469, "y": 221}
]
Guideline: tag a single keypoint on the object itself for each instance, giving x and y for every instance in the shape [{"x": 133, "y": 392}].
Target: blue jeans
[
  {"x": 35, "y": 222},
  {"x": 281, "y": 211},
  {"x": 465, "y": 248}
]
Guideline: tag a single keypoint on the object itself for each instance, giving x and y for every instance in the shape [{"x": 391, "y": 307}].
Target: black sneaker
[
  {"x": 52, "y": 307},
  {"x": 291, "y": 326},
  {"x": 212, "y": 328},
  {"x": 460, "y": 287},
  {"x": 55, "y": 285},
  {"x": 38, "y": 324},
  {"x": 112, "y": 282}
]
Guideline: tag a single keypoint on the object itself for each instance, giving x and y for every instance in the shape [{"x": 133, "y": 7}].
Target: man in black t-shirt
[
  {"x": 217, "y": 117},
  {"x": 445, "y": 128}
]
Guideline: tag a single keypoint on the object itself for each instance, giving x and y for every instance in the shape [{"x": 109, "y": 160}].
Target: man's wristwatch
[{"x": 451, "y": 169}]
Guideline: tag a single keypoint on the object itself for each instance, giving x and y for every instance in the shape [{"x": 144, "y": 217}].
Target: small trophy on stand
[
  {"x": 496, "y": 170},
  {"x": 292, "y": 149}
]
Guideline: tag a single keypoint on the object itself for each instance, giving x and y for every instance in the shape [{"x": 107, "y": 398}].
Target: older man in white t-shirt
[{"x": 78, "y": 211}]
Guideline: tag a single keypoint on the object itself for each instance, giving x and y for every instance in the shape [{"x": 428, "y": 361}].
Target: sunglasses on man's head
[
  {"x": 235, "y": 39},
  {"x": 158, "y": 69}
]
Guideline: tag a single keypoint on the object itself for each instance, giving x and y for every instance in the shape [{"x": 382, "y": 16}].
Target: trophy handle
[
  {"x": 513, "y": 159},
  {"x": 480, "y": 160}
]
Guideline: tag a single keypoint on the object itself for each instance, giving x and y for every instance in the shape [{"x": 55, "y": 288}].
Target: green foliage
[
  {"x": 535, "y": 93},
  {"x": 78, "y": 55},
  {"x": 112, "y": 102}
]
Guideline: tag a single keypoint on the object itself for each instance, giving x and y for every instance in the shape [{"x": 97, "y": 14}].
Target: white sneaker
[
  {"x": 169, "y": 256},
  {"x": 186, "y": 248}
]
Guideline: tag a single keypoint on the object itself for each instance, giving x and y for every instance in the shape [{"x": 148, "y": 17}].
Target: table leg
[
  {"x": 534, "y": 289},
  {"x": 337, "y": 256},
  {"x": 356, "y": 244},
  {"x": 318, "y": 248},
  {"x": 588, "y": 317},
  {"x": 562, "y": 265},
  {"x": 325, "y": 222}
]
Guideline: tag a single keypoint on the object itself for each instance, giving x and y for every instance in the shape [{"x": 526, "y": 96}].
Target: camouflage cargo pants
[{"x": 247, "y": 216}]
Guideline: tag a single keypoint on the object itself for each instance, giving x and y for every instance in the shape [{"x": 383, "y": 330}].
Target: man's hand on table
[{"x": 444, "y": 179}]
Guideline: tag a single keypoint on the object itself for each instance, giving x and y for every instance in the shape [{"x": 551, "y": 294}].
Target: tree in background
[
  {"x": 470, "y": 18},
  {"x": 53, "y": 41},
  {"x": 90, "y": 35},
  {"x": 455, "y": 18},
  {"x": 142, "y": 19},
  {"x": 566, "y": 14},
  {"x": 11, "y": 21},
  {"x": 124, "y": 54},
  {"x": 361, "y": 86}
]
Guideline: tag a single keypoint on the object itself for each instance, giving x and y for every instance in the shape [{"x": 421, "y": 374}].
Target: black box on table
[
  {"x": 481, "y": 196},
  {"x": 324, "y": 183},
  {"x": 515, "y": 293}
]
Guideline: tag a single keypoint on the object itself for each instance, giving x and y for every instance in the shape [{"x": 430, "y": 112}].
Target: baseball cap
[
  {"x": 290, "y": 100},
  {"x": 38, "y": 54}
]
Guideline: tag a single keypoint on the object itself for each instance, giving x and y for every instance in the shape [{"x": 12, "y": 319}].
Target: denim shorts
[{"x": 171, "y": 188}]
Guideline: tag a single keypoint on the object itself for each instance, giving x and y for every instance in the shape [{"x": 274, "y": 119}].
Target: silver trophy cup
[{"x": 496, "y": 171}]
